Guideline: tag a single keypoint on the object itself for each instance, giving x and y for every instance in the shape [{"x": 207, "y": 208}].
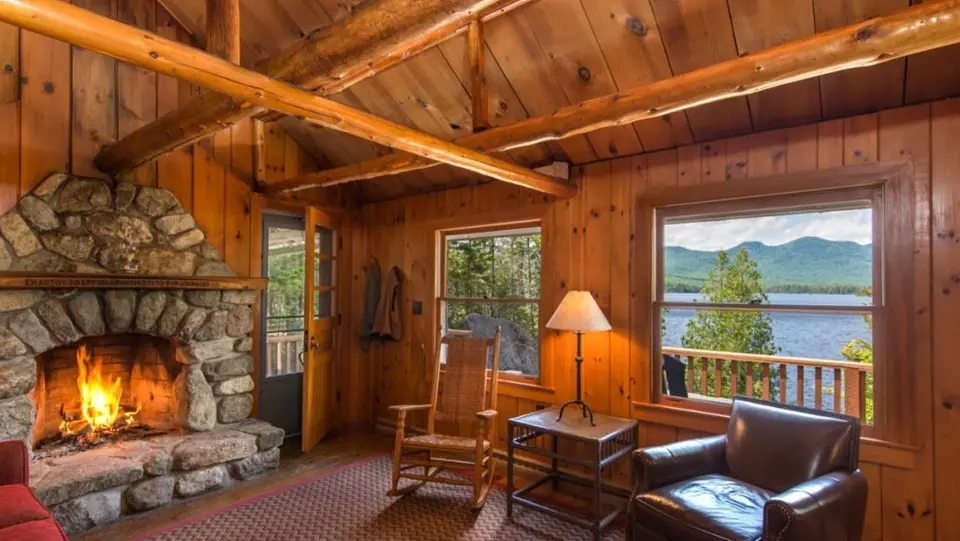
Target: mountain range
[{"x": 808, "y": 264}]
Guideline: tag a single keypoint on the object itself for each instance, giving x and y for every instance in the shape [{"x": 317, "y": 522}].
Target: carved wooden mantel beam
[{"x": 15, "y": 280}]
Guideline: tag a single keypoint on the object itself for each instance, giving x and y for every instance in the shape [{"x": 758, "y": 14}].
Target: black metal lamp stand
[{"x": 584, "y": 408}]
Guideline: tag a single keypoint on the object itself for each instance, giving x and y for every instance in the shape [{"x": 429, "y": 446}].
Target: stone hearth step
[{"x": 94, "y": 487}]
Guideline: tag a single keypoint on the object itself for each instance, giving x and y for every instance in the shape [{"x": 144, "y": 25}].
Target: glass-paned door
[
  {"x": 282, "y": 363},
  {"x": 321, "y": 357}
]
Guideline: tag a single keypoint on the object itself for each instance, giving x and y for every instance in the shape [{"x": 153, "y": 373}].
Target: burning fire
[{"x": 100, "y": 407}]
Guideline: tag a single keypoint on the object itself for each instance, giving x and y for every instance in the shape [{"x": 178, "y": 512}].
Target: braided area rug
[{"x": 351, "y": 504}]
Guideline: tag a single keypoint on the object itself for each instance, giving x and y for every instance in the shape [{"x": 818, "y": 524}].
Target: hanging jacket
[
  {"x": 371, "y": 300},
  {"x": 387, "y": 323}
]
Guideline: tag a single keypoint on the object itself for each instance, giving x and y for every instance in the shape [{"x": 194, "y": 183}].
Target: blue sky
[{"x": 852, "y": 225}]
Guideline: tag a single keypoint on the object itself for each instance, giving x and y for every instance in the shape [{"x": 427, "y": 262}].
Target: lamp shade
[{"x": 578, "y": 312}]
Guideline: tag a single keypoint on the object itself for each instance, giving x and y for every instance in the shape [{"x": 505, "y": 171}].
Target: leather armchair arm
[
  {"x": 14, "y": 463},
  {"x": 830, "y": 506},
  {"x": 659, "y": 466}
]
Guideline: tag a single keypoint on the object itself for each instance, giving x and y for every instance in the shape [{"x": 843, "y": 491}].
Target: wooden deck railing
[
  {"x": 767, "y": 376},
  {"x": 283, "y": 351}
]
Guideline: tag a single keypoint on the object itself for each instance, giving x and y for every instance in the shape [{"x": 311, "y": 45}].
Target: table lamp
[{"x": 578, "y": 312}]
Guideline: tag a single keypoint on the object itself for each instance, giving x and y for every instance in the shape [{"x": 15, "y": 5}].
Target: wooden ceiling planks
[
  {"x": 629, "y": 37},
  {"x": 505, "y": 106},
  {"x": 933, "y": 75},
  {"x": 579, "y": 66},
  {"x": 760, "y": 24},
  {"x": 516, "y": 50},
  {"x": 534, "y": 56},
  {"x": 698, "y": 34},
  {"x": 863, "y": 90}
]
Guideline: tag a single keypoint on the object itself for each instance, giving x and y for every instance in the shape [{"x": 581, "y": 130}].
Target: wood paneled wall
[
  {"x": 588, "y": 244},
  {"x": 60, "y": 104}
]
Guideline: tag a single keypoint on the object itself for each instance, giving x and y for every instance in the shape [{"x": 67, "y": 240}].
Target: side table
[{"x": 611, "y": 439}]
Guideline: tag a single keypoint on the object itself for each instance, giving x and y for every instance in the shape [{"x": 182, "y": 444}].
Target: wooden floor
[{"x": 294, "y": 465}]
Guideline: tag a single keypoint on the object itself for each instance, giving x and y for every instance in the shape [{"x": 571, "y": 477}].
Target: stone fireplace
[{"x": 150, "y": 307}]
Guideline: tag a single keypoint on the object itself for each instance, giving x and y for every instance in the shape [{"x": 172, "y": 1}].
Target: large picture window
[
  {"x": 491, "y": 277},
  {"x": 771, "y": 297}
]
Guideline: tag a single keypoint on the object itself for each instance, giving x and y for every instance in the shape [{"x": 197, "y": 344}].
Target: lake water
[{"x": 797, "y": 335}]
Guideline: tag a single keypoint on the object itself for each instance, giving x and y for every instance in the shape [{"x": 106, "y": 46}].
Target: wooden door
[{"x": 320, "y": 359}]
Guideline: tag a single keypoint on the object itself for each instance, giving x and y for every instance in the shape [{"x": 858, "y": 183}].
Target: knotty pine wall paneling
[{"x": 591, "y": 242}]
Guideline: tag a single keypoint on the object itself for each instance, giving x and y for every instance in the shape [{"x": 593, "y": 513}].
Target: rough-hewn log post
[
  {"x": 59, "y": 20},
  {"x": 909, "y": 31},
  {"x": 223, "y": 29},
  {"x": 478, "y": 78}
]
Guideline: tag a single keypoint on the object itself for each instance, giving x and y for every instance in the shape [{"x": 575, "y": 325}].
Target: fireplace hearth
[{"x": 130, "y": 375}]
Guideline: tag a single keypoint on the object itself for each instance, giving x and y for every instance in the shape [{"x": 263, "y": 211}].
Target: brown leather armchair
[{"x": 780, "y": 473}]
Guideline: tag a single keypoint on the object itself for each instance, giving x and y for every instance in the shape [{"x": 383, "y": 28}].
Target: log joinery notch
[
  {"x": 62, "y": 21},
  {"x": 373, "y": 38},
  {"x": 909, "y": 31}
]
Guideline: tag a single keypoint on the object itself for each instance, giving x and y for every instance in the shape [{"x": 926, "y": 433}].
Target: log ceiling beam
[
  {"x": 375, "y": 37},
  {"x": 223, "y": 29},
  {"x": 59, "y": 20},
  {"x": 477, "y": 59},
  {"x": 930, "y": 25}
]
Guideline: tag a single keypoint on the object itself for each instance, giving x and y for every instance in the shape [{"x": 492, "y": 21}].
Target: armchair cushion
[
  {"x": 659, "y": 466},
  {"x": 828, "y": 507},
  {"x": 705, "y": 508}
]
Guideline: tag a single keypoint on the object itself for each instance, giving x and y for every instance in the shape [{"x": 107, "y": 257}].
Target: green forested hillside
[{"x": 809, "y": 264}]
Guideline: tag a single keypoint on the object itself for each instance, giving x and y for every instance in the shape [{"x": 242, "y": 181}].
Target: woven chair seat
[{"x": 443, "y": 441}]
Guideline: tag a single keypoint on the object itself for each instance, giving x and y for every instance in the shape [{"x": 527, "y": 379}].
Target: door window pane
[{"x": 286, "y": 264}]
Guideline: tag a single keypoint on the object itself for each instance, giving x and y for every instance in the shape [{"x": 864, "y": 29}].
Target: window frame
[
  {"x": 441, "y": 297},
  {"x": 768, "y": 205},
  {"x": 901, "y": 321}
]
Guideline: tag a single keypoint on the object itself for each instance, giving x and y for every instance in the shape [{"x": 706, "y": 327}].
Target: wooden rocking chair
[{"x": 463, "y": 400}]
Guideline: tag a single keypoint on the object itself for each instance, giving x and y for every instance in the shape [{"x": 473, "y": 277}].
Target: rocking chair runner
[{"x": 464, "y": 400}]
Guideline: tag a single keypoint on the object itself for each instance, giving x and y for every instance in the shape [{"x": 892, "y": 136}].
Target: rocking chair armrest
[
  {"x": 409, "y": 407},
  {"x": 486, "y": 415}
]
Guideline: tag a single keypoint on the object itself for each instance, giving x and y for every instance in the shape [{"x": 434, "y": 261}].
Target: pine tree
[
  {"x": 861, "y": 351},
  {"x": 734, "y": 280}
]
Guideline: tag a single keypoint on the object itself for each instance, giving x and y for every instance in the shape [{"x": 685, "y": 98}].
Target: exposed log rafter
[
  {"x": 76, "y": 26},
  {"x": 223, "y": 29},
  {"x": 909, "y": 31},
  {"x": 478, "y": 78},
  {"x": 373, "y": 38}
]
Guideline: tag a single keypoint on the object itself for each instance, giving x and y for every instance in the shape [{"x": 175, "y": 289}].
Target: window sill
[
  {"x": 522, "y": 389},
  {"x": 872, "y": 450}
]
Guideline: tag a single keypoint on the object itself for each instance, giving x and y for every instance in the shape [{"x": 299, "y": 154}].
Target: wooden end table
[{"x": 611, "y": 438}]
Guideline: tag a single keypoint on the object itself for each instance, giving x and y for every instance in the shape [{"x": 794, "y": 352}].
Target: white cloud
[{"x": 845, "y": 225}]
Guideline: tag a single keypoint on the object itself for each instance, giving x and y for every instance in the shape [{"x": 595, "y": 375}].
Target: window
[
  {"x": 489, "y": 278},
  {"x": 771, "y": 297}
]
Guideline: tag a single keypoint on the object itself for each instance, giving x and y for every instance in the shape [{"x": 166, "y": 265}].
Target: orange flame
[{"x": 99, "y": 399}]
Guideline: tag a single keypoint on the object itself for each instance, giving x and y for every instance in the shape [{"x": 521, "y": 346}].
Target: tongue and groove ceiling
[{"x": 551, "y": 53}]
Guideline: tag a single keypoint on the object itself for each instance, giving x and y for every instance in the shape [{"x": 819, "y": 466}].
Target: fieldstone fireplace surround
[{"x": 101, "y": 236}]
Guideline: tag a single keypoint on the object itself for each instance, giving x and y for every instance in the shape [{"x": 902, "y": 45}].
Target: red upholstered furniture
[{"x": 22, "y": 516}]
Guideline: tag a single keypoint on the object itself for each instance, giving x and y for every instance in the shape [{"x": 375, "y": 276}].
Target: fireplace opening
[{"x": 103, "y": 390}]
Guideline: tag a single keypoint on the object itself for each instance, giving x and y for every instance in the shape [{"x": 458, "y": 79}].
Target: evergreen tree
[
  {"x": 735, "y": 280},
  {"x": 861, "y": 351}
]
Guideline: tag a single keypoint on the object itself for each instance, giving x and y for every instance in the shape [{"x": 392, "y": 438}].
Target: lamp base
[{"x": 584, "y": 408}]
